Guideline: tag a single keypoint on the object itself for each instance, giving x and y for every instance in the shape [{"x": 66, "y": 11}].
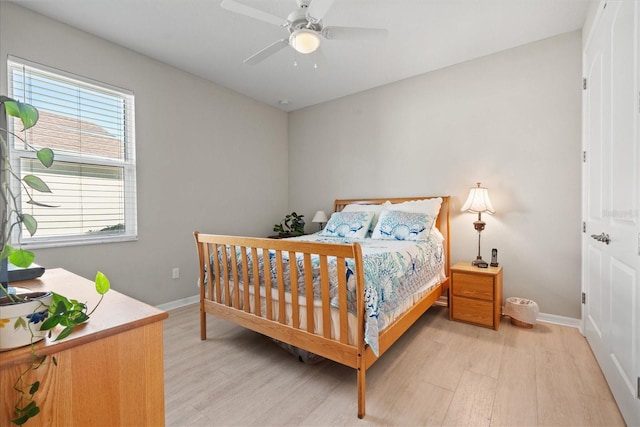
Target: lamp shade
[
  {"x": 320, "y": 216},
  {"x": 478, "y": 201},
  {"x": 304, "y": 41}
]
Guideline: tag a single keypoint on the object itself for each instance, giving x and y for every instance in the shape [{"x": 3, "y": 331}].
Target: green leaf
[
  {"x": 29, "y": 411},
  {"x": 61, "y": 304},
  {"x": 80, "y": 318},
  {"x": 34, "y": 388},
  {"x": 28, "y": 408},
  {"x": 36, "y": 183},
  {"x": 20, "y": 323},
  {"x": 75, "y": 303},
  {"x": 6, "y": 251},
  {"x": 28, "y": 114},
  {"x": 30, "y": 223},
  {"x": 33, "y": 411},
  {"x": 21, "y": 420},
  {"x": 102, "y": 283},
  {"x": 65, "y": 333},
  {"x": 50, "y": 323},
  {"x": 56, "y": 309},
  {"x": 33, "y": 202},
  {"x": 45, "y": 155},
  {"x": 21, "y": 258}
]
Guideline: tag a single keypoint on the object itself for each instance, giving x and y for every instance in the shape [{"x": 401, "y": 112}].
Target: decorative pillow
[
  {"x": 430, "y": 207},
  {"x": 399, "y": 225},
  {"x": 348, "y": 224},
  {"x": 376, "y": 209}
]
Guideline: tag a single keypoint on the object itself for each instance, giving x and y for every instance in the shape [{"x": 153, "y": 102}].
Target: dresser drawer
[
  {"x": 473, "y": 286},
  {"x": 473, "y": 311}
]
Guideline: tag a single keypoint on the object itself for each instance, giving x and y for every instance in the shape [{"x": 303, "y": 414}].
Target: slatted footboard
[{"x": 236, "y": 294}]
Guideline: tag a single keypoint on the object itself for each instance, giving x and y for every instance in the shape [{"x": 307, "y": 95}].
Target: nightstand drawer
[
  {"x": 476, "y": 295},
  {"x": 473, "y": 311},
  {"x": 473, "y": 286}
]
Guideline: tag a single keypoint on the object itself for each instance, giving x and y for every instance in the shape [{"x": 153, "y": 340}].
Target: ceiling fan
[{"x": 304, "y": 25}]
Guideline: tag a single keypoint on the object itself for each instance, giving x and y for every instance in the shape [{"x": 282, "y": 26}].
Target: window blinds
[{"x": 90, "y": 127}]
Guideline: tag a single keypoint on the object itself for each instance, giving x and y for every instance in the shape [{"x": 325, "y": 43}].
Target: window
[{"x": 90, "y": 128}]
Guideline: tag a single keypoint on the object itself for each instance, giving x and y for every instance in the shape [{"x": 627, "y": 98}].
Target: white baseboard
[
  {"x": 559, "y": 320},
  {"x": 542, "y": 317},
  {"x": 179, "y": 303}
]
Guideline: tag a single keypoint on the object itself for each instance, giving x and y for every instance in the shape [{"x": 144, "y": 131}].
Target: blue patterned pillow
[
  {"x": 398, "y": 225},
  {"x": 348, "y": 224}
]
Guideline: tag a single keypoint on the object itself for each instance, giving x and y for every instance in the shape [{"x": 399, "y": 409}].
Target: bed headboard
[{"x": 442, "y": 222}]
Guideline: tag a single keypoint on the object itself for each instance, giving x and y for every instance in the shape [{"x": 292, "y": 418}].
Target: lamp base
[{"x": 477, "y": 261}]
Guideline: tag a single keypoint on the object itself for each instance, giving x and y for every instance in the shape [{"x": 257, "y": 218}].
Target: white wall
[
  {"x": 208, "y": 159},
  {"x": 510, "y": 120}
]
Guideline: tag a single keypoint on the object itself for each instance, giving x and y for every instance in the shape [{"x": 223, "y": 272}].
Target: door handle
[{"x": 604, "y": 238}]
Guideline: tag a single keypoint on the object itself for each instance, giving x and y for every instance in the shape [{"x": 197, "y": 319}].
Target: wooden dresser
[
  {"x": 476, "y": 295},
  {"x": 110, "y": 371}
]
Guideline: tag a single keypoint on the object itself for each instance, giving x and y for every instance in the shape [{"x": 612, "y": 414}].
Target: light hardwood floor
[{"x": 439, "y": 373}]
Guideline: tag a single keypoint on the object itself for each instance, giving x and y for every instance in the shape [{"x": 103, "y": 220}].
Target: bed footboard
[
  {"x": 288, "y": 306},
  {"x": 249, "y": 287}
]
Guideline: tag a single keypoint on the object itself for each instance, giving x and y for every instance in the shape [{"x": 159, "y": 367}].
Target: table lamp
[
  {"x": 320, "y": 217},
  {"x": 478, "y": 202}
]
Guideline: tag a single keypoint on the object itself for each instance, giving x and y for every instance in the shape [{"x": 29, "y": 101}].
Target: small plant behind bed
[
  {"x": 64, "y": 312},
  {"x": 293, "y": 225}
]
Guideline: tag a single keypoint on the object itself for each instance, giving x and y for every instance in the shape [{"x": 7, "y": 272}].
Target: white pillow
[
  {"x": 430, "y": 207},
  {"x": 437, "y": 234},
  {"x": 376, "y": 209},
  {"x": 348, "y": 224},
  {"x": 400, "y": 225}
]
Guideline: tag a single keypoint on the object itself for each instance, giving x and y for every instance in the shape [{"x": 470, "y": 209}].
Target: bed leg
[
  {"x": 203, "y": 323},
  {"x": 361, "y": 390}
]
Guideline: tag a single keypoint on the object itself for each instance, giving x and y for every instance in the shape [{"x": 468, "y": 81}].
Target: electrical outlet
[{"x": 175, "y": 273}]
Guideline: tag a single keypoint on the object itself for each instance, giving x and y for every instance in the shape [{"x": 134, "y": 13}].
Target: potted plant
[
  {"x": 25, "y": 318},
  {"x": 293, "y": 225}
]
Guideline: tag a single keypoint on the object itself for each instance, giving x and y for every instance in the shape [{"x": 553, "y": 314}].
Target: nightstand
[{"x": 476, "y": 295}]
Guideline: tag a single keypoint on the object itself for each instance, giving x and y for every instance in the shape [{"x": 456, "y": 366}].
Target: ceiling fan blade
[
  {"x": 251, "y": 12},
  {"x": 352, "y": 33},
  {"x": 317, "y": 9},
  {"x": 266, "y": 52}
]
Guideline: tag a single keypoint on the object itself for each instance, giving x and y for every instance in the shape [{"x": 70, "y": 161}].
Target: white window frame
[{"x": 128, "y": 164}]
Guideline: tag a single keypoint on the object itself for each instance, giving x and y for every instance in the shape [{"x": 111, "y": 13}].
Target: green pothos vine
[{"x": 63, "y": 312}]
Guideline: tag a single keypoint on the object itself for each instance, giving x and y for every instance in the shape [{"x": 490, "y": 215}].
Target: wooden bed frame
[{"x": 238, "y": 309}]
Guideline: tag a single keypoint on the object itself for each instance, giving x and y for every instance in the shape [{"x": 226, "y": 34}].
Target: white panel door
[{"x": 611, "y": 242}]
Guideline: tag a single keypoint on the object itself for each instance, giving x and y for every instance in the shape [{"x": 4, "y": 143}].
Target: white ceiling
[{"x": 200, "y": 37}]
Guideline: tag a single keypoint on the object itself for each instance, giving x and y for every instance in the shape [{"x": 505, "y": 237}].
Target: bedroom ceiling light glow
[
  {"x": 478, "y": 202},
  {"x": 304, "y": 41}
]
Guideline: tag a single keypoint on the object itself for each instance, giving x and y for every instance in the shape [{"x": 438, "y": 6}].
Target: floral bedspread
[{"x": 393, "y": 272}]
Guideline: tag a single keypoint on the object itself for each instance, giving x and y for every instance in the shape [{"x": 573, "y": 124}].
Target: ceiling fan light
[{"x": 304, "y": 41}]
